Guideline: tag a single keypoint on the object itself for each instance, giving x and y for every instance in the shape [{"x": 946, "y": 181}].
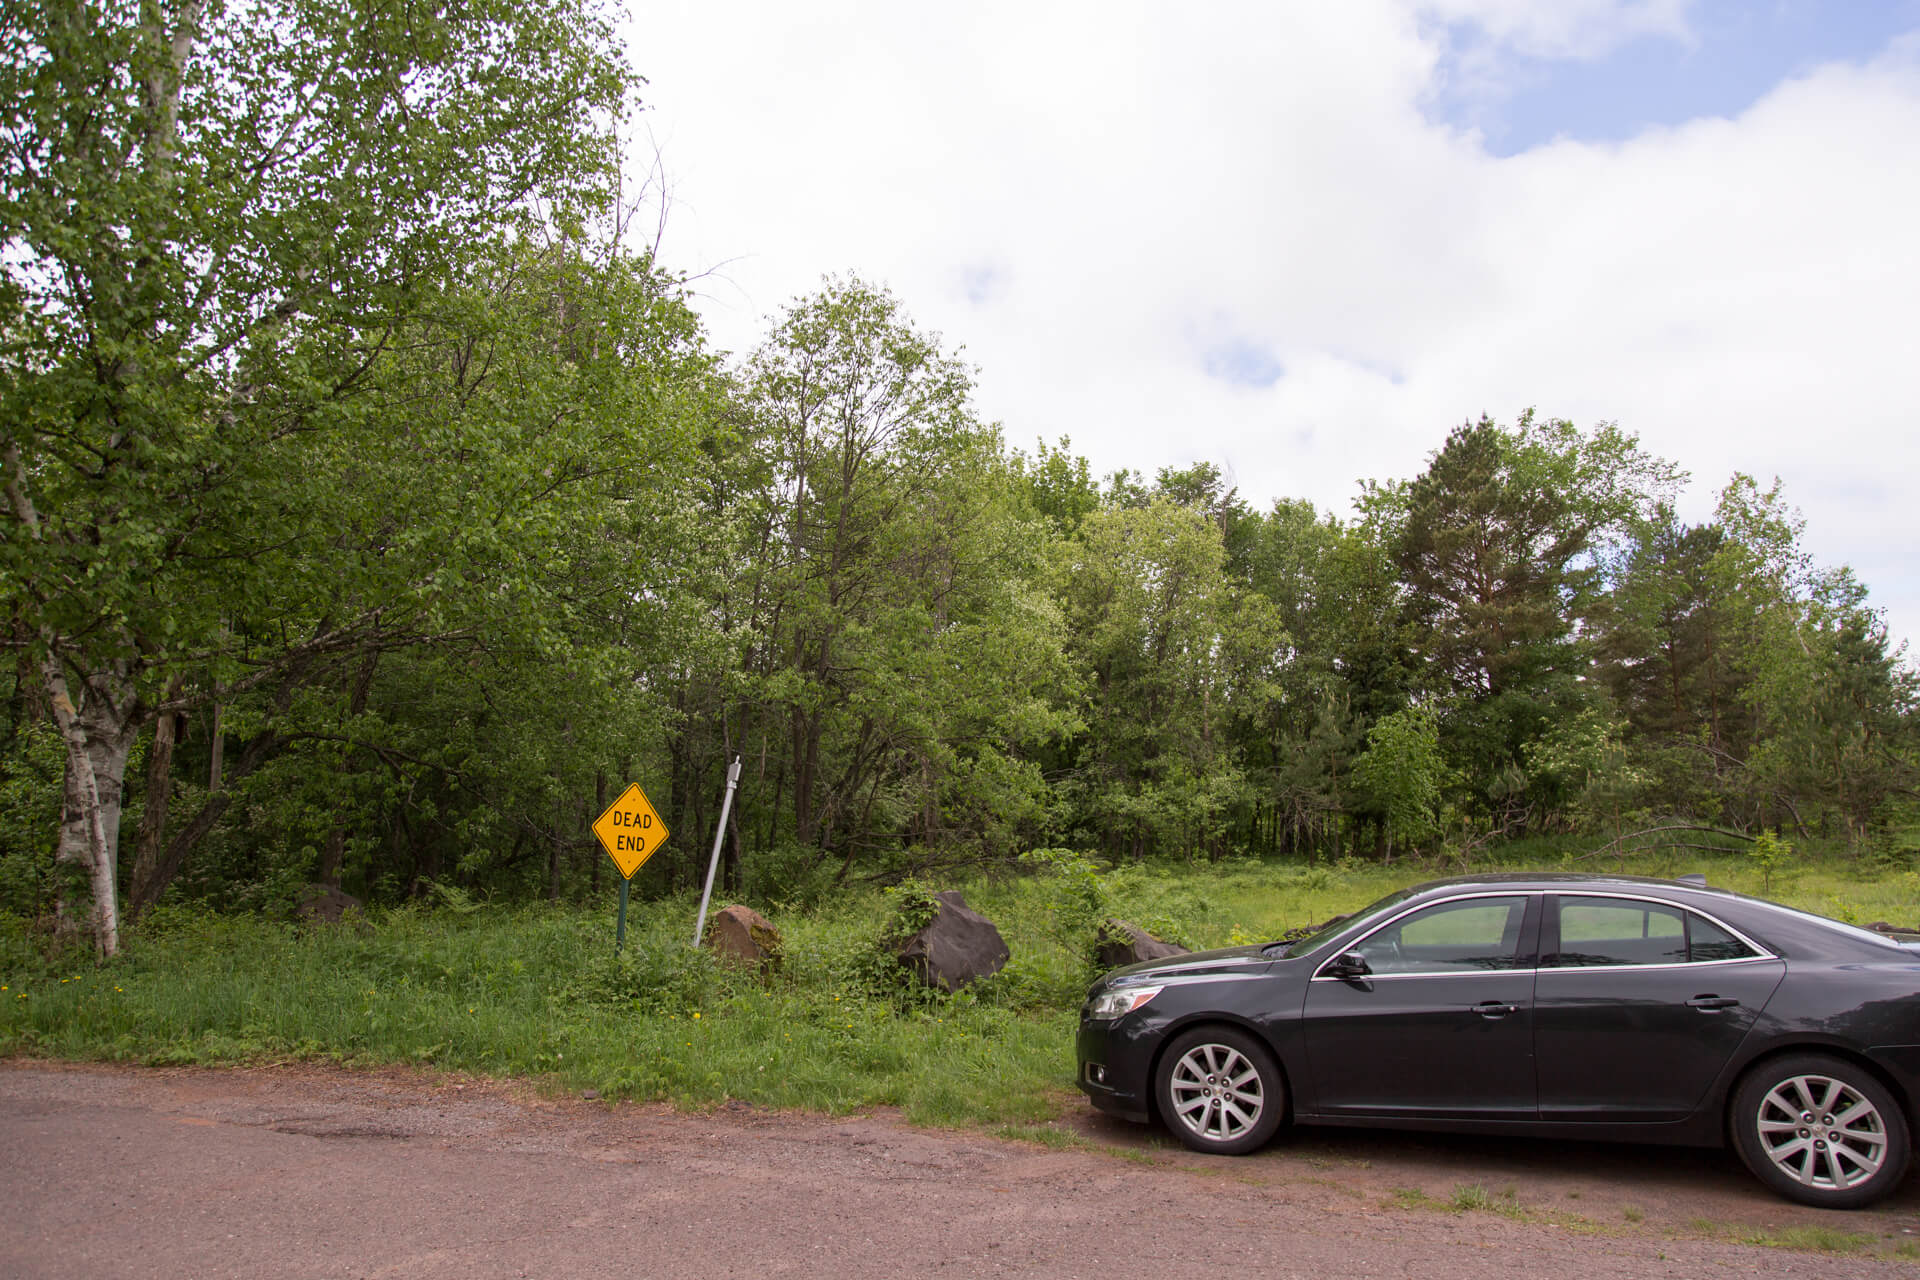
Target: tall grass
[{"x": 538, "y": 991}]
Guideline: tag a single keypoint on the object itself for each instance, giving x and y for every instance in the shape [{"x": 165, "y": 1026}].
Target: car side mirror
[{"x": 1349, "y": 964}]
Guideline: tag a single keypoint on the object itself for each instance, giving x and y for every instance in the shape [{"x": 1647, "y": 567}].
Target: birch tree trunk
[{"x": 99, "y": 732}]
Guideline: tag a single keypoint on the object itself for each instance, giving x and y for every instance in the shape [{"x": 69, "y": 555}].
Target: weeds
[
  {"x": 1473, "y": 1197},
  {"x": 1811, "y": 1239}
]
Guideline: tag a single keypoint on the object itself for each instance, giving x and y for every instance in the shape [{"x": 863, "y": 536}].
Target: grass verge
[{"x": 537, "y": 991}]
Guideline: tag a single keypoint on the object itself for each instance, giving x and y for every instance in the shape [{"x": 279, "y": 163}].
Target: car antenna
[{"x": 1695, "y": 878}]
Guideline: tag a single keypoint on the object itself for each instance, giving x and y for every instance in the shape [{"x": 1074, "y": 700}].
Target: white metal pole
[{"x": 713, "y": 863}]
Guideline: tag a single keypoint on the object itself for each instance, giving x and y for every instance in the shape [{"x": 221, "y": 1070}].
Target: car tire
[
  {"x": 1820, "y": 1130},
  {"x": 1220, "y": 1091}
]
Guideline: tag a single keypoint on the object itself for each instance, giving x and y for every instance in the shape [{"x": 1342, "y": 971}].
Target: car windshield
[{"x": 1302, "y": 946}]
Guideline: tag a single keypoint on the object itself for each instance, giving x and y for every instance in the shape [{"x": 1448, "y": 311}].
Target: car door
[
  {"x": 1638, "y": 1005},
  {"x": 1441, "y": 1027}
]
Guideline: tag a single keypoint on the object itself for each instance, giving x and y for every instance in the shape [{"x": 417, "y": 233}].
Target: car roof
[
  {"x": 1704, "y": 897},
  {"x": 1563, "y": 880}
]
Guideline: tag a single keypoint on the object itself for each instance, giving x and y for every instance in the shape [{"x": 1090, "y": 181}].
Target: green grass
[
  {"x": 1473, "y": 1196},
  {"x": 537, "y": 991},
  {"x": 1803, "y": 1239}
]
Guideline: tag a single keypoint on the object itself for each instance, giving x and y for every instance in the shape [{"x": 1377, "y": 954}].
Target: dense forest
[{"x": 376, "y": 509}]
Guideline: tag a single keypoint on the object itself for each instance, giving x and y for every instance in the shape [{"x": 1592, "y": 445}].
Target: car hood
[{"x": 1197, "y": 964}]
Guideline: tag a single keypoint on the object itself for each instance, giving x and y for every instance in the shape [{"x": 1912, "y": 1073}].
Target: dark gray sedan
[{"x": 1545, "y": 1005}]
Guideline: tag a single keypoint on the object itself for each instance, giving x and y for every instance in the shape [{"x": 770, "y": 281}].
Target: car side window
[
  {"x": 1451, "y": 937},
  {"x": 1708, "y": 941},
  {"x": 1616, "y": 931}
]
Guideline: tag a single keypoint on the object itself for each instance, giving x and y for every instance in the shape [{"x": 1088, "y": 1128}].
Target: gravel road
[{"x": 309, "y": 1171}]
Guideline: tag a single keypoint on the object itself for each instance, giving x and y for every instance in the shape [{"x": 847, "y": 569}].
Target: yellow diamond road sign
[{"x": 630, "y": 830}]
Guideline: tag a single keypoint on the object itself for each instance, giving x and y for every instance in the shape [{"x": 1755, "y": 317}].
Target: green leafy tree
[
  {"x": 1345, "y": 665},
  {"x": 1584, "y": 771},
  {"x": 1758, "y": 688},
  {"x": 1402, "y": 776},
  {"x": 1167, "y": 646},
  {"x": 1833, "y": 709},
  {"x": 566, "y": 382},
  {"x": 898, "y": 657},
  {"x": 222, "y": 225},
  {"x": 1058, "y": 484}
]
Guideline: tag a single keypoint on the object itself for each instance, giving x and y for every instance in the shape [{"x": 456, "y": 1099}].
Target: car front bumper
[{"x": 1114, "y": 1064}]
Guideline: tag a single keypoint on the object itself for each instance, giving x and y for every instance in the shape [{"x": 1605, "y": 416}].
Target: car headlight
[{"x": 1111, "y": 1004}]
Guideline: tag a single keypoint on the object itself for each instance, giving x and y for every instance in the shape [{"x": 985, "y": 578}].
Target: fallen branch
[{"x": 1678, "y": 826}]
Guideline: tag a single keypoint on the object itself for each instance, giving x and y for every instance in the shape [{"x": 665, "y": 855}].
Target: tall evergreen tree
[{"x": 1496, "y": 546}]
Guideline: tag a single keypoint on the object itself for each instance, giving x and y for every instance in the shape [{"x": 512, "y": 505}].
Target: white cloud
[
  {"x": 1105, "y": 202},
  {"x": 1564, "y": 28}
]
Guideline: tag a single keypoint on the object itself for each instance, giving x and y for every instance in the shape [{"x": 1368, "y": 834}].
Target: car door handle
[
  {"x": 1713, "y": 1004},
  {"x": 1494, "y": 1009}
]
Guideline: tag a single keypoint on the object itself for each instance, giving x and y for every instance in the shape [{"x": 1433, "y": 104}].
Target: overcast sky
[{"x": 1303, "y": 240}]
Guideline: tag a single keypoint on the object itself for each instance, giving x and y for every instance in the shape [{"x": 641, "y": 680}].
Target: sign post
[
  {"x": 726, "y": 806},
  {"x": 630, "y": 831}
]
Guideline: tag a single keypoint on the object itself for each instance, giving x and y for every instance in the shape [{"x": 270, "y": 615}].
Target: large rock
[
  {"x": 324, "y": 903},
  {"x": 741, "y": 935},
  {"x": 1123, "y": 943},
  {"x": 958, "y": 946}
]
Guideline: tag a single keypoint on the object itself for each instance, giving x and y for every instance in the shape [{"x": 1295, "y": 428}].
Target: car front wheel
[
  {"x": 1821, "y": 1131},
  {"x": 1220, "y": 1091}
]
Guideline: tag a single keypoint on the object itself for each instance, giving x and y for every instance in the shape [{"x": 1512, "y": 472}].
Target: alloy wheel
[
  {"x": 1822, "y": 1132},
  {"x": 1217, "y": 1092}
]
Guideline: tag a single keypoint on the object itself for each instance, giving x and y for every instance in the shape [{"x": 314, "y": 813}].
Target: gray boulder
[
  {"x": 741, "y": 935},
  {"x": 325, "y": 904},
  {"x": 1122, "y": 943},
  {"x": 958, "y": 946}
]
